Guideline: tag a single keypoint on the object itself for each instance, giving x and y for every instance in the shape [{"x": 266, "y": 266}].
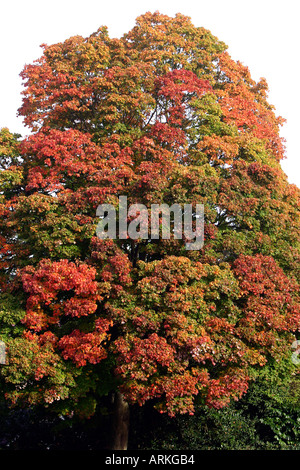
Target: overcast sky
[{"x": 262, "y": 34}]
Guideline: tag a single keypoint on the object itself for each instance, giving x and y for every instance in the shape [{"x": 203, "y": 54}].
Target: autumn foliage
[{"x": 161, "y": 115}]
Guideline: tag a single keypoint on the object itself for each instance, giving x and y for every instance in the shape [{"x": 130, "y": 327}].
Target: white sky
[{"x": 262, "y": 34}]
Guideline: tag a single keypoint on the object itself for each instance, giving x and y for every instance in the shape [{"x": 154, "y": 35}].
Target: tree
[{"x": 162, "y": 115}]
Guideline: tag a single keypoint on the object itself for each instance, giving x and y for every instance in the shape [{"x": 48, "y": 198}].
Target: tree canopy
[{"x": 161, "y": 115}]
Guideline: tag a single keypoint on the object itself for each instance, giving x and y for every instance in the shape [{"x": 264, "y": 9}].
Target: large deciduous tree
[{"x": 162, "y": 115}]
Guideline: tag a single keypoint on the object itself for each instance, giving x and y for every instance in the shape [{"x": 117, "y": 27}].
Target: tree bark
[{"x": 120, "y": 424}]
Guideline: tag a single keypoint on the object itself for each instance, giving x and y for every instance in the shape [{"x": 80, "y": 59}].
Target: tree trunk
[{"x": 120, "y": 424}]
